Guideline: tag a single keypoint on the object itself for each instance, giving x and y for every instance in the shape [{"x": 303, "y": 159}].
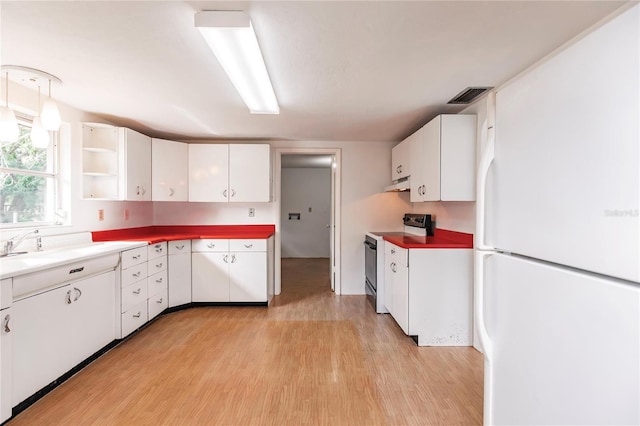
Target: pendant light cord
[{"x": 6, "y": 91}]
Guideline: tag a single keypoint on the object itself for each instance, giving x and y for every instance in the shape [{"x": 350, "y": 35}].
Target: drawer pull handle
[
  {"x": 248, "y": 245},
  {"x": 137, "y": 274},
  {"x": 171, "y": 192},
  {"x": 233, "y": 193},
  {"x": 225, "y": 258},
  {"x": 69, "y": 297},
  {"x": 158, "y": 249},
  {"x": 159, "y": 280},
  {"x": 159, "y": 301},
  {"x": 233, "y": 258},
  {"x": 7, "y": 318},
  {"x": 393, "y": 251},
  {"x": 393, "y": 266},
  {"x": 224, "y": 193},
  {"x": 135, "y": 257},
  {"x": 159, "y": 265},
  {"x": 137, "y": 291},
  {"x": 211, "y": 245},
  {"x": 73, "y": 271},
  {"x": 137, "y": 315},
  {"x": 79, "y": 293},
  {"x": 179, "y": 247}
]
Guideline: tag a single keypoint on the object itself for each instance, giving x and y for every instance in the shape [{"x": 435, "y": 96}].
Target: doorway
[{"x": 323, "y": 226}]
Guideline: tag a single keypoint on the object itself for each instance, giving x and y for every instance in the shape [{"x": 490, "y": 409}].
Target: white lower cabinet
[
  {"x": 429, "y": 292},
  {"x": 179, "y": 272},
  {"x": 57, "y": 329},
  {"x": 6, "y": 349},
  {"x": 230, "y": 270}
]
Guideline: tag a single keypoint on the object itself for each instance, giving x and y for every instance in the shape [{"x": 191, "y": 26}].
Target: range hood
[{"x": 399, "y": 185}]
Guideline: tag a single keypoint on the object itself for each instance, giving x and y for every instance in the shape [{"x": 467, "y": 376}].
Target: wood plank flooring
[{"x": 312, "y": 358}]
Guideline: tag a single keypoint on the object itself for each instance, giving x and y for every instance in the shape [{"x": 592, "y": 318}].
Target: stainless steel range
[{"x": 414, "y": 224}]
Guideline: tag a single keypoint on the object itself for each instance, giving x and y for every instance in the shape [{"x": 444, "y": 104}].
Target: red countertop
[
  {"x": 442, "y": 239},
  {"x": 156, "y": 234}
]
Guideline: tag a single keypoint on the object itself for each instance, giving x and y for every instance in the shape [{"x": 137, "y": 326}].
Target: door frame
[{"x": 335, "y": 217}]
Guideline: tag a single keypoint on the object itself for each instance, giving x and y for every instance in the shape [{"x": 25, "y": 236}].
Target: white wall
[{"x": 304, "y": 188}]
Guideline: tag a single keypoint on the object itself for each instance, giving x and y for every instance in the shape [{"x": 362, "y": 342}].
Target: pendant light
[
  {"x": 39, "y": 135},
  {"x": 9, "y": 130},
  {"x": 50, "y": 115}
]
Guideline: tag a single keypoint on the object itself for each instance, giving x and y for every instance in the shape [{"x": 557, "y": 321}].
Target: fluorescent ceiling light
[{"x": 231, "y": 37}]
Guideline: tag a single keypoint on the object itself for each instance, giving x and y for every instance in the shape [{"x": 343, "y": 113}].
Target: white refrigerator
[{"x": 557, "y": 241}]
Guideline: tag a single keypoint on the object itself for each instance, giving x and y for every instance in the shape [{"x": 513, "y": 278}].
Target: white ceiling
[{"x": 361, "y": 71}]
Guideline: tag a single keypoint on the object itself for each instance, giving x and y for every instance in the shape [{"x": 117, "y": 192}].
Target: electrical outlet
[
  {"x": 126, "y": 214},
  {"x": 252, "y": 212},
  {"x": 100, "y": 214}
]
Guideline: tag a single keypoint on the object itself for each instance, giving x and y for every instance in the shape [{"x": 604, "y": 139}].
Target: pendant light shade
[
  {"x": 50, "y": 115},
  {"x": 9, "y": 130},
  {"x": 39, "y": 135}
]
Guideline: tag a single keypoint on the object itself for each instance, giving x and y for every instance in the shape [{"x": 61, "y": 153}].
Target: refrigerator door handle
[
  {"x": 481, "y": 328},
  {"x": 487, "y": 145}
]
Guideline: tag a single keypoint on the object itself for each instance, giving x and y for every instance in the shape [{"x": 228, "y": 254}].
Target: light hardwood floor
[{"x": 310, "y": 358}]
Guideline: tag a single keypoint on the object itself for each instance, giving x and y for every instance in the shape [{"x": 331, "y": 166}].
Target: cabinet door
[
  {"x": 41, "y": 342},
  {"x": 400, "y": 159},
  {"x": 248, "y": 277},
  {"x": 430, "y": 161},
  {"x": 389, "y": 251},
  {"x": 458, "y": 158},
  {"x": 210, "y": 277},
  {"x": 208, "y": 172},
  {"x": 6, "y": 359},
  {"x": 179, "y": 279},
  {"x": 169, "y": 170},
  {"x": 249, "y": 173},
  {"x": 416, "y": 152},
  {"x": 401, "y": 290},
  {"x": 135, "y": 183},
  {"x": 93, "y": 311}
]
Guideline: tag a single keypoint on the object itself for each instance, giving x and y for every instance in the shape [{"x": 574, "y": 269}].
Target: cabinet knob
[
  {"x": 211, "y": 245},
  {"x": 5, "y": 324},
  {"x": 137, "y": 274},
  {"x": 137, "y": 315},
  {"x": 248, "y": 245},
  {"x": 137, "y": 291},
  {"x": 135, "y": 257},
  {"x": 159, "y": 265},
  {"x": 159, "y": 280},
  {"x": 160, "y": 300}
]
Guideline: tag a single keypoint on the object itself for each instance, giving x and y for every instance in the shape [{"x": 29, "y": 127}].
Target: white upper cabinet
[
  {"x": 135, "y": 162},
  {"x": 116, "y": 163},
  {"x": 400, "y": 160},
  {"x": 443, "y": 159},
  {"x": 208, "y": 172},
  {"x": 229, "y": 173},
  {"x": 249, "y": 173},
  {"x": 169, "y": 170}
]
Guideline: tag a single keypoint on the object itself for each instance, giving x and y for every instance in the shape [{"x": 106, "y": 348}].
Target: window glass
[{"x": 27, "y": 181}]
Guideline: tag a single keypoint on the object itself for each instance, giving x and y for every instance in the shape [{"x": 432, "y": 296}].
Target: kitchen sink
[{"x": 15, "y": 253}]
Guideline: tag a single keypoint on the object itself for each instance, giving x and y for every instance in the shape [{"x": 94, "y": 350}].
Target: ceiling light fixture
[
  {"x": 230, "y": 36},
  {"x": 39, "y": 135},
  {"x": 9, "y": 130}
]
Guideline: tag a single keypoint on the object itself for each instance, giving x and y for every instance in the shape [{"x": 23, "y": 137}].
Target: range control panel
[{"x": 418, "y": 221}]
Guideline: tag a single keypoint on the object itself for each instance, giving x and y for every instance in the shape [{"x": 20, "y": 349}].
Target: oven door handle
[{"x": 371, "y": 246}]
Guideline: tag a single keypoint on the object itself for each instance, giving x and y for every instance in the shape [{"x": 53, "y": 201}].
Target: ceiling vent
[{"x": 468, "y": 95}]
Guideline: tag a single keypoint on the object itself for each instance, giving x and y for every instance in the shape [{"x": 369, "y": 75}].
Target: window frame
[{"x": 52, "y": 197}]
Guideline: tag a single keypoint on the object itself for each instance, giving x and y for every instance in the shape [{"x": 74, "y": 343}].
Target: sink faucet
[{"x": 11, "y": 244}]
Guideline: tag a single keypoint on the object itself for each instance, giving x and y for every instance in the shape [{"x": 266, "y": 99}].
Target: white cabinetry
[
  {"x": 57, "y": 329},
  {"x": 229, "y": 173},
  {"x": 429, "y": 292},
  {"x": 116, "y": 163},
  {"x": 400, "y": 160},
  {"x": 179, "y": 272},
  {"x": 169, "y": 170},
  {"x": 396, "y": 278},
  {"x": 157, "y": 283},
  {"x": 443, "y": 159},
  {"x": 133, "y": 293},
  {"x": 230, "y": 270},
  {"x": 6, "y": 350}
]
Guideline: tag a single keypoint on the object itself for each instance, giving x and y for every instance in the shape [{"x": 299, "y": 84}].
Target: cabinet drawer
[
  {"x": 134, "y": 318},
  {"x": 179, "y": 247},
  {"x": 157, "y": 304},
  {"x": 157, "y": 265},
  {"x": 156, "y": 250},
  {"x": 134, "y": 257},
  {"x": 133, "y": 295},
  {"x": 133, "y": 274},
  {"x": 210, "y": 245},
  {"x": 248, "y": 245},
  {"x": 157, "y": 283}
]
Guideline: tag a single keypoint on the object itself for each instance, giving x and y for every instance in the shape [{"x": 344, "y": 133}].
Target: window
[{"x": 27, "y": 181}]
